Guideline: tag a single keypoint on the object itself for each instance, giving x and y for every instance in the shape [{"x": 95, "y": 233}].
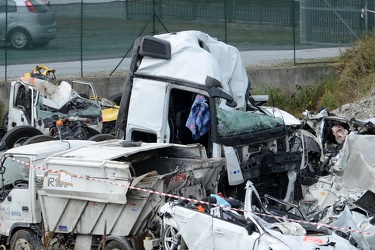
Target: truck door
[
  {"x": 15, "y": 194},
  {"x": 20, "y": 110},
  {"x": 147, "y": 117}
]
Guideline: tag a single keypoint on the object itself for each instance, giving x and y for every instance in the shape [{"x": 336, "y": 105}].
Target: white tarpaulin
[
  {"x": 193, "y": 61},
  {"x": 357, "y": 162}
]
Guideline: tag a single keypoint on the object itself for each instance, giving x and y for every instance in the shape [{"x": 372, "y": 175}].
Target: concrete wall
[
  {"x": 289, "y": 77},
  {"x": 284, "y": 78}
]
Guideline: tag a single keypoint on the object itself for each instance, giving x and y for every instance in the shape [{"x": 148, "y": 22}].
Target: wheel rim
[
  {"x": 172, "y": 239},
  {"x": 19, "y": 39},
  {"x": 22, "y": 244},
  {"x": 20, "y": 141}
]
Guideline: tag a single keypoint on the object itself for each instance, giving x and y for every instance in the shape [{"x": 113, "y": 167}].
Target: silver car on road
[{"x": 26, "y": 23}]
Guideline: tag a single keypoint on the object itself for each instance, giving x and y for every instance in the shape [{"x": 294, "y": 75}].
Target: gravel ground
[{"x": 361, "y": 110}]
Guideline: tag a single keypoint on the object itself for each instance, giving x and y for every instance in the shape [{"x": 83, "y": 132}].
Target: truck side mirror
[
  {"x": 2, "y": 168},
  {"x": 229, "y": 99},
  {"x": 214, "y": 84}
]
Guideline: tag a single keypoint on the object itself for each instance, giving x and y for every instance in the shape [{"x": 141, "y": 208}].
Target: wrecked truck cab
[
  {"x": 36, "y": 105},
  {"x": 190, "y": 88}
]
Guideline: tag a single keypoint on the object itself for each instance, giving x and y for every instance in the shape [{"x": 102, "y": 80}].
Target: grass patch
[{"x": 353, "y": 79}]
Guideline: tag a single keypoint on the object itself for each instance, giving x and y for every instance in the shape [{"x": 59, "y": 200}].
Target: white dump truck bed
[{"x": 92, "y": 188}]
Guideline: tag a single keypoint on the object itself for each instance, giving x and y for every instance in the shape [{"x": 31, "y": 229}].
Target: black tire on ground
[
  {"x": 5, "y": 121},
  {"x": 38, "y": 138},
  {"x": 118, "y": 244},
  {"x": 101, "y": 137},
  {"x": 18, "y": 135},
  {"x": 25, "y": 239},
  {"x": 19, "y": 39}
]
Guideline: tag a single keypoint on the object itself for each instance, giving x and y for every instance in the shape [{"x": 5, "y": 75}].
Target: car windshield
[{"x": 16, "y": 170}]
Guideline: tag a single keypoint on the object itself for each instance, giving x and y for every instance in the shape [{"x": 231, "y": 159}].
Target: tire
[
  {"x": 38, "y": 138},
  {"x": 172, "y": 239},
  {"x": 91, "y": 132},
  {"x": 25, "y": 239},
  {"x": 118, "y": 244},
  {"x": 101, "y": 137},
  {"x": 5, "y": 121},
  {"x": 40, "y": 45},
  {"x": 18, "y": 135},
  {"x": 116, "y": 98},
  {"x": 20, "y": 39}
]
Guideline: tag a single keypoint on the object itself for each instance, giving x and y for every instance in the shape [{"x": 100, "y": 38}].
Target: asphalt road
[{"x": 104, "y": 67}]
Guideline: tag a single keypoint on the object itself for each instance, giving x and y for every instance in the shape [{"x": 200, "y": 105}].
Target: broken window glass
[{"x": 233, "y": 122}]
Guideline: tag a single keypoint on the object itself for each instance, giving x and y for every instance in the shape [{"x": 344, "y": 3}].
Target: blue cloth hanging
[{"x": 199, "y": 118}]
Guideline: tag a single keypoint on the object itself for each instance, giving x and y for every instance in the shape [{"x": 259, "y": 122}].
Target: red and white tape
[{"x": 318, "y": 225}]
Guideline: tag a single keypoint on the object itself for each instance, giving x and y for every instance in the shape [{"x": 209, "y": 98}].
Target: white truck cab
[
  {"x": 21, "y": 173},
  {"x": 188, "y": 87}
]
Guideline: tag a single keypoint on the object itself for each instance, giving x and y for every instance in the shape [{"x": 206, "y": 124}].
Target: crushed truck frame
[{"x": 92, "y": 195}]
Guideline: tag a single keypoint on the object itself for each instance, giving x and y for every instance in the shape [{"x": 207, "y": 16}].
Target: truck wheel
[
  {"x": 172, "y": 239},
  {"x": 25, "y": 239},
  {"x": 116, "y": 98},
  {"x": 5, "y": 121},
  {"x": 18, "y": 135},
  {"x": 101, "y": 137},
  {"x": 38, "y": 138},
  {"x": 119, "y": 244}
]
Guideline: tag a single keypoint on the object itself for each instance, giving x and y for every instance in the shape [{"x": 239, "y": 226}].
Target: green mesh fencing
[{"x": 96, "y": 37}]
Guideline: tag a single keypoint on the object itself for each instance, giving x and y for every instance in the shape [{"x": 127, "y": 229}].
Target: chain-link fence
[{"x": 96, "y": 37}]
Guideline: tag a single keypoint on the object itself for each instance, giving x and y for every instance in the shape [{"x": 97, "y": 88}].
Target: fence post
[
  {"x": 225, "y": 22},
  {"x": 6, "y": 41},
  {"x": 81, "y": 34},
  {"x": 294, "y": 32}
]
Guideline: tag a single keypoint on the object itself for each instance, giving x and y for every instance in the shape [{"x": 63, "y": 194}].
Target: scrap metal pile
[{"x": 282, "y": 183}]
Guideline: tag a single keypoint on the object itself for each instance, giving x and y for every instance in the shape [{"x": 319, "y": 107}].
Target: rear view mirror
[{"x": 214, "y": 84}]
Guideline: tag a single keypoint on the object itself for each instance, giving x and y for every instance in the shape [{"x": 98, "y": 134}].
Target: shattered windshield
[
  {"x": 232, "y": 122},
  {"x": 77, "y": 107}
]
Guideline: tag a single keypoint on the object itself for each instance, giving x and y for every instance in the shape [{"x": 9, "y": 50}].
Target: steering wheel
[{"x": 20, "y": 183}]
